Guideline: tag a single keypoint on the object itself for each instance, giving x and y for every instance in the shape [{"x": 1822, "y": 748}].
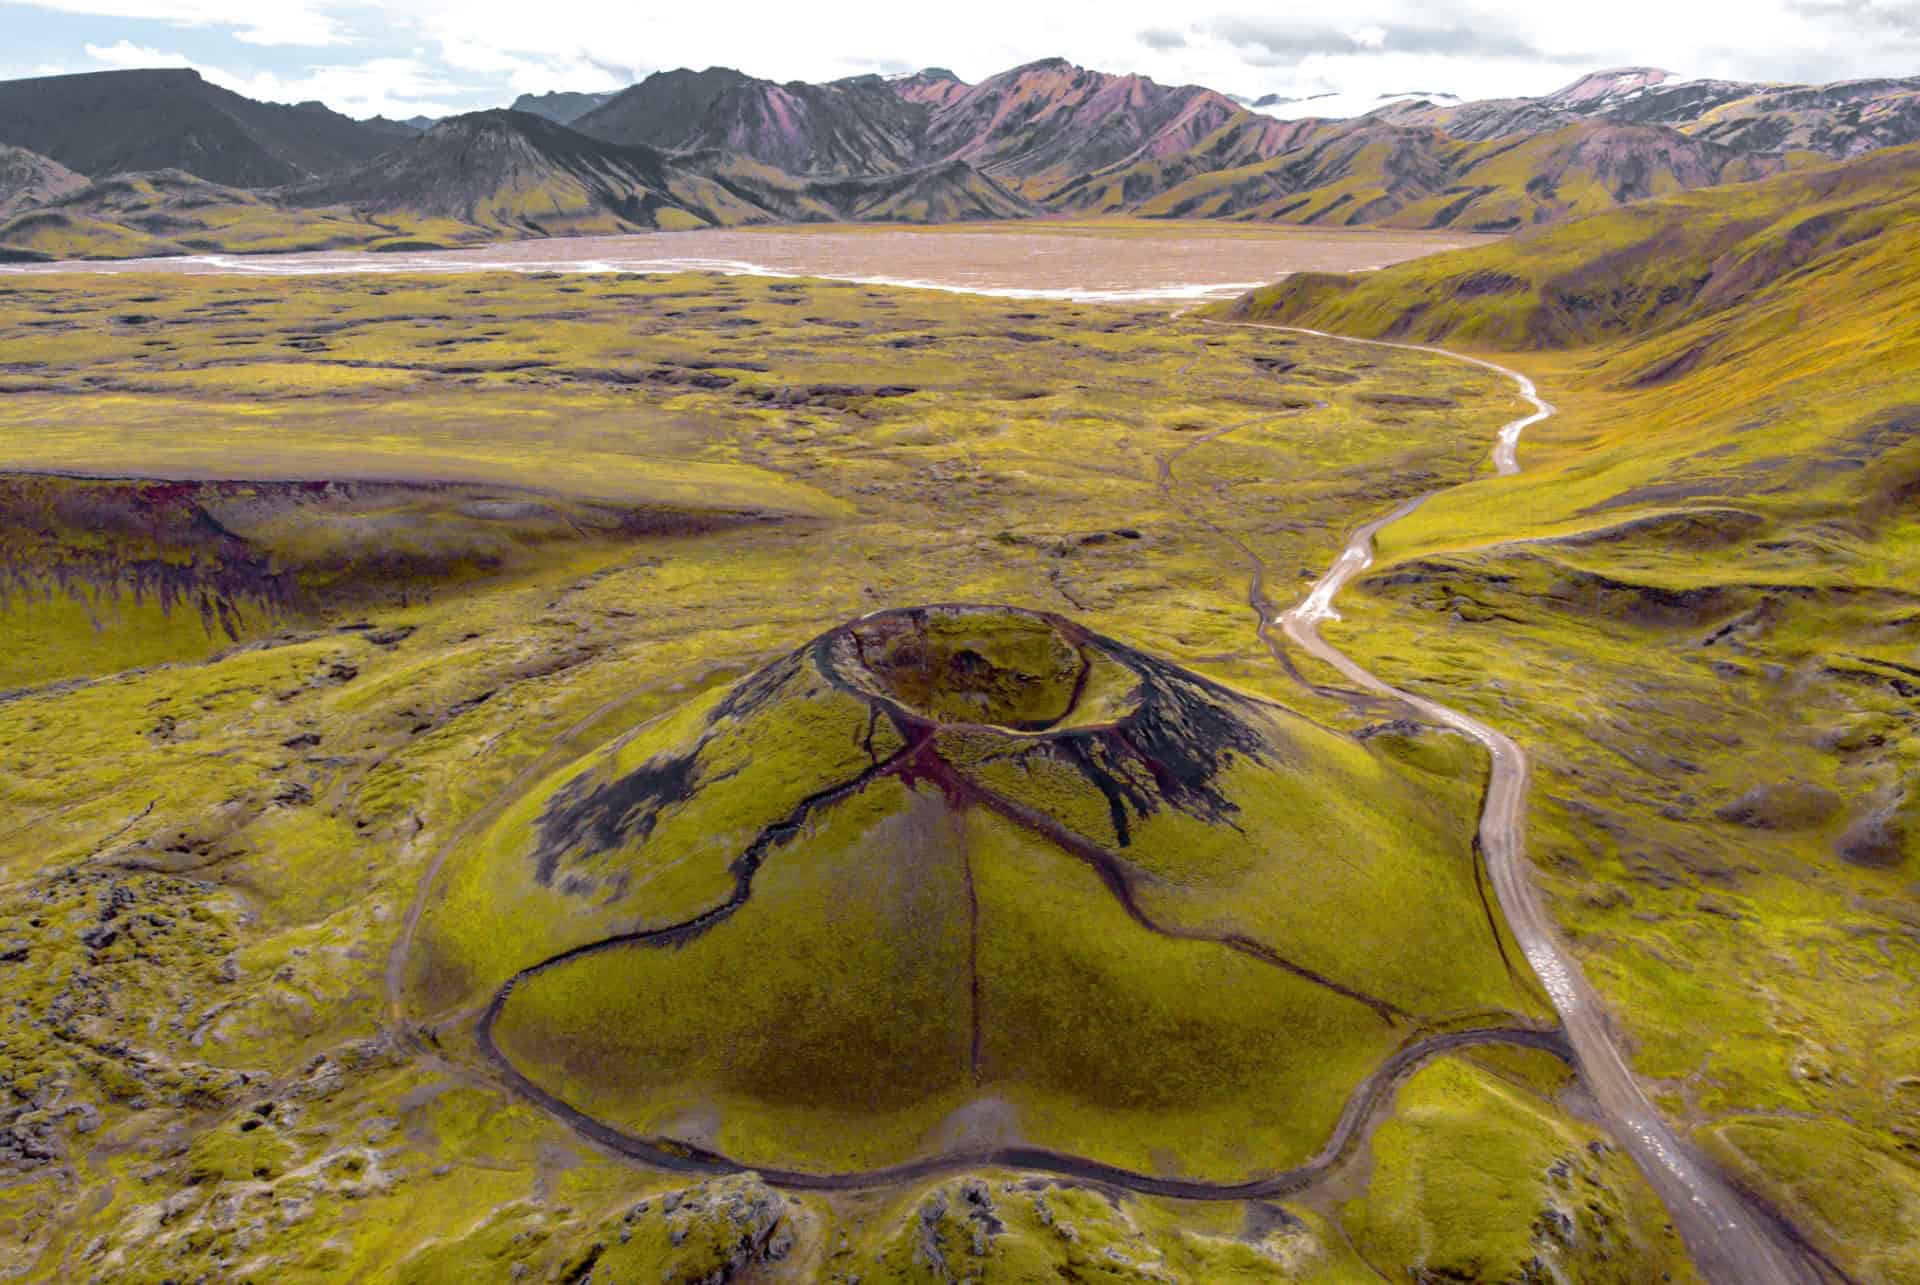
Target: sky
[{"x": 437, "y": 57}]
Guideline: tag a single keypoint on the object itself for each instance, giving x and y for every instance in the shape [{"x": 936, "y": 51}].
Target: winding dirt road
[
  {"x": 920, "y": 759},
  {"x": 1732, "y": 1241},
  {"x": 1371, "y": 1097}
]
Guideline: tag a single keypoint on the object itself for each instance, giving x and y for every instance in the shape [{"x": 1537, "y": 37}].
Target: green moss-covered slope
[
  {"x": 1123, "y": 936},
  {"x": 1697, "y": 602}
]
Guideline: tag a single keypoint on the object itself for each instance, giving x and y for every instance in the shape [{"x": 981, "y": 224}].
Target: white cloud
[
  {"x": 1471, "y": 46},
  {"x": 127, "y": 54},
  {"x": 261, "y": 22},
  {"x": 399, "y": 87},
  {"x": 532, "y": 74},
  {"x": 485, "y": 51}
]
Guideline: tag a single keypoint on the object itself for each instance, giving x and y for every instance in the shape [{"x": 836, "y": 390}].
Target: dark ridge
[
  {"x": 164, "y": 547},
  {"x": 559, "y": 106},
  {"x": 752, "y": 694},
  {"x": 111, "y": 122}
]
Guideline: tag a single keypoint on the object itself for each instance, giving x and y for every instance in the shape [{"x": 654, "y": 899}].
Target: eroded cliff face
[{"x": 164, "y": 570}]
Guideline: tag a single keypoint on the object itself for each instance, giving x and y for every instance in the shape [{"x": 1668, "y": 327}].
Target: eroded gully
[{"x": 1733, "y": 1241}]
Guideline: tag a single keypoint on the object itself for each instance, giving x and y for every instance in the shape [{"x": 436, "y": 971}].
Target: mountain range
[
  {"x": 685, "y": 149},
  {"x": 117, "y": 122}
]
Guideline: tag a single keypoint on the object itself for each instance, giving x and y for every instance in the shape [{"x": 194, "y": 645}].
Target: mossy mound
[{"x": 952, "y": 879}]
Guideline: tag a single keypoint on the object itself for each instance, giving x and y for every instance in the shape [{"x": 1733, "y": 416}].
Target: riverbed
[{"x": 1116, "y": 262}]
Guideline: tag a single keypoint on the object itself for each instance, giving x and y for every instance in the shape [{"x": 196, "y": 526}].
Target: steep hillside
[
  {"x": 112, "y": 122},
  {"x": 664, "y": 110},
  {"x": 1247, "y": 139},
  {"x": 28, "y": 179},
  {"x": 931, "y": 87},
  {"x": 395, "y": 131},
  {"x": 858, "y": 126},
  {"x": 1514, "y": 163},
  {"x": 1648, "y": 265},
  {"x": 1392, "y": 176},
  {"x": 483, "y": 177},
  {"x": 1034, "y": 127},
  {"x": 953, "y": 192},
  {"x": 521, "y": 174},
  {"x": 170, "y": 212},
  {"x": 1840, "y": 120},
  {"x": 1048, "y": 122},
  {"x": 1038, "y": 820}
]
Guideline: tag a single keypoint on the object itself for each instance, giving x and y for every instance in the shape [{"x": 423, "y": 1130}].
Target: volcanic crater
[{"x": 952, "y": 879}]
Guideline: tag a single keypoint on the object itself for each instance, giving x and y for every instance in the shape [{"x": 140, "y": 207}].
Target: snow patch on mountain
[{"x": 1341, "y": 105}]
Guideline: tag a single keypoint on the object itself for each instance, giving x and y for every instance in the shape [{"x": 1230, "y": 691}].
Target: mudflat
[{"x": 1109, "y": 260}]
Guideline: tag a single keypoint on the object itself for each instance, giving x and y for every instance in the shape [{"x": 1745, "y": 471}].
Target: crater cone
[
  {"x": 1022, "y": 671},
  {"x": 956, "y": 877}
]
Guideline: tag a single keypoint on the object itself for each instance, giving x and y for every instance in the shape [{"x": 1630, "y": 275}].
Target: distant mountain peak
[
  {"x": 122, "y": 75},
  {"x": 1045, "y": 64},
  {"x": 503, "y": 117},
  {"x": 1614, "y": 82},
  {"x": 689, "y": 148},
  {"x": 142, "y": 119},
  {"x": 931, "y": 87},
  {"x": 563, "y": 106}
]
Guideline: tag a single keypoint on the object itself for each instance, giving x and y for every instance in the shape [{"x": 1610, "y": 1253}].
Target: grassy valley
[
  {"x": 305, "y": 690},
  {"x": 1698, "y": 602},
  {"x": 591, "y": 775}
]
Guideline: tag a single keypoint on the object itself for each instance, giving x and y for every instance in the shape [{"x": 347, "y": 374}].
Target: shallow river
[{"x": 1116, "y": 263}]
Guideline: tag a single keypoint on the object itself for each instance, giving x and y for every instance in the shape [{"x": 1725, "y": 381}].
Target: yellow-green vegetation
[
  {"x": 995, "y": 1228},
  {"x": 1464, "y": 1139},
  {"x": 840, "y": 853},
  {"x": 141, "y": 216},
  {"x": 608, "y": 501},
  {"x": 1651, "y": 265},
  {"x": 1697, "y": 607},
  {"x": 1369, "y": 172}
]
